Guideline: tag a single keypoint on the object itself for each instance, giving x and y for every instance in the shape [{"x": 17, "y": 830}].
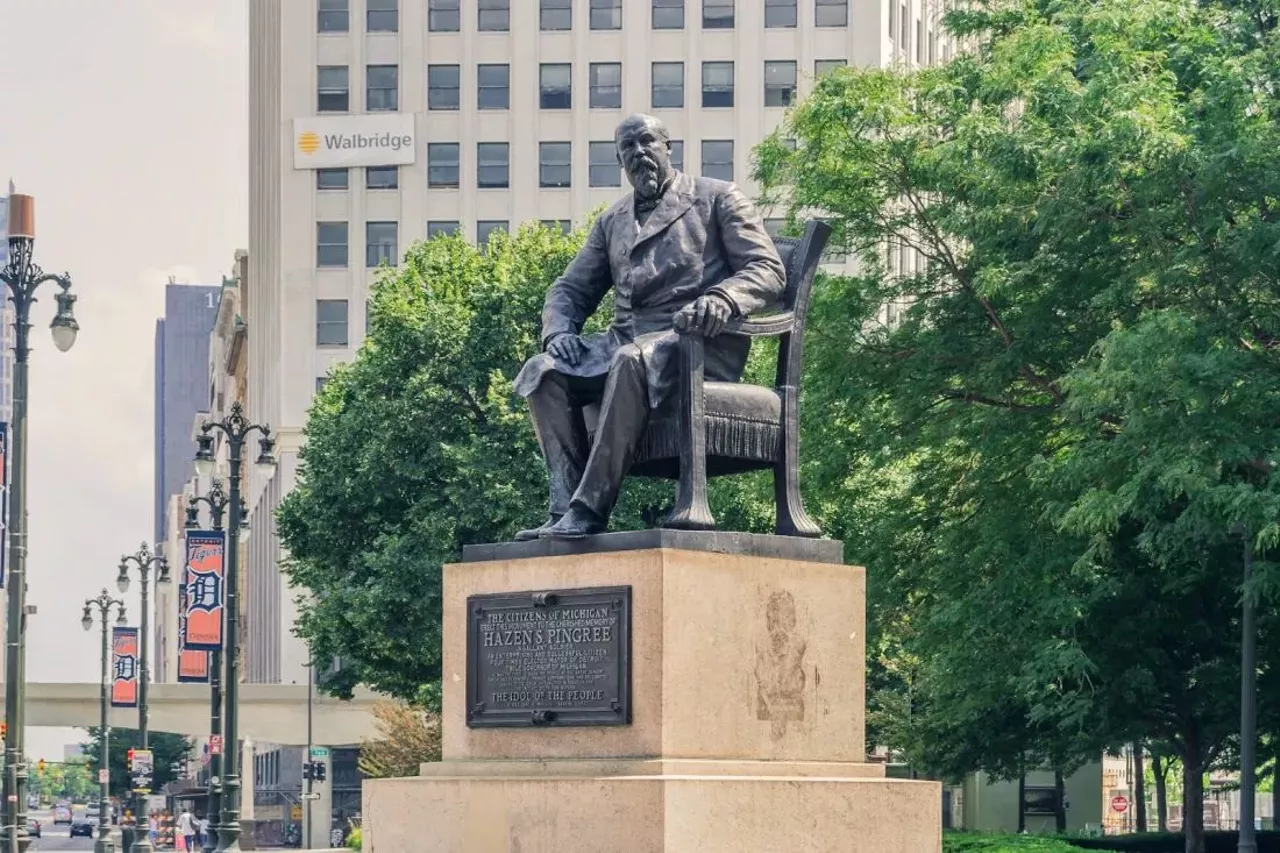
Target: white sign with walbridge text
[{"x": 326, "y": 142}]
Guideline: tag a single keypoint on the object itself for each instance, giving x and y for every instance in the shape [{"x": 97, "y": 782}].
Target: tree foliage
[
  {"x": 407, "y": 737},
  {"x": 1077, "y": 395},
  {"x": 169, "y": 751}
]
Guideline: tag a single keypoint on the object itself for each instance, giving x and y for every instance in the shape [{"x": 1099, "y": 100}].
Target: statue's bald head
[{"x": 644, "y": 150}]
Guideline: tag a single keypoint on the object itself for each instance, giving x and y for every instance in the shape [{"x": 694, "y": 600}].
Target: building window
[
  {"x": 717, "y": 14},
  {"x": 444, "y": 16},
  {"x": 442, "y": 164},
  {"x": 677, "y": 154},
  {"x": 606, "y": 14},
  {"x": 382, "y": 88},
  {"x": 602, "y": 165},
  {"x": 831, "y": 13},
  {"x": 332, "y": 179},
  {"x": 493, "y": 87},
  {"x": 382, "y": 178},
  {"x": 441, "y": 228},
  {"x": 779, "y": 83},
  {"x": 493, "y": 16},
  {"x": 779, "y": 13},
  {"x": 564, "y": 226},
  {"x": 331, "y": 322},
  {"x": 555, "y": 14},
  {"x": 826, "y": 66},
  {"x": 555, "y": 85},
  {"x": 668, "y": 85},
  {"x": 444, "y": 87},
  {"x": 382, "y": 16},
  {"x": 320, "y": 383},
  {"x": 668, "y": 14},
  {"x": 486, "y": 227},
  {"x": 605, "y": 79},
  {"x": 492, "y": 165},
  {"x": 333, "y": 16},
  {"x": 555, "y": 164},
  {"x": 919, "y": 42},
  {"x": 717, "y": 84},
  {"x": 717, "y": 159},
  {"x": 905, "y": 43},
  {"x": 331, "y": 244},
  {"x": 380, "y": 239},
  {"x": 333, "y": 89}
]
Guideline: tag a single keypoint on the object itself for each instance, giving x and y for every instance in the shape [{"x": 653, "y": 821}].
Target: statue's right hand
[{"x": 567, "y": 347}]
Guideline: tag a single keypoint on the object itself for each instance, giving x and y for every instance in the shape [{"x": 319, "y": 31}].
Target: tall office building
[
  {"x": 182, "y": 386},
  {"x": 374, "y": 123}
]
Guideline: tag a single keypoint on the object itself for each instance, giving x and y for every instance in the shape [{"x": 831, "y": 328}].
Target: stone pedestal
[{"x": 747, "y": 727}]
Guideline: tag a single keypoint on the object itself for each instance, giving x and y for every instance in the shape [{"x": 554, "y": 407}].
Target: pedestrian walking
[
  {"x": 202, "y": 829},
  {"x": 187, "y": 828}
]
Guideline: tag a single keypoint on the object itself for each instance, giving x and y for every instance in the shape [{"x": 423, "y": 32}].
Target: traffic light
[
  {"x": 307, "y": 768},
  {"x": 40, "y": 766},
  {"x": 319, "y": 771},
  {"x": 130, "y": 758},
  {"x": 4, "y": 730}
]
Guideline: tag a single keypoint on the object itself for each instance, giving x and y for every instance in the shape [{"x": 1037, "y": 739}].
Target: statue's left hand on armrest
[{"x": 706, "y": 315}]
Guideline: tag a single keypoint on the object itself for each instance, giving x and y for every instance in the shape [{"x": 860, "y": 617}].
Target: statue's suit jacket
[{"x": 703, "y": 237}]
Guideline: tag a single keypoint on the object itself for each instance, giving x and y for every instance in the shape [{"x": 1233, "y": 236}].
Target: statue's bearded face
[{"x": 645, "y": 154}]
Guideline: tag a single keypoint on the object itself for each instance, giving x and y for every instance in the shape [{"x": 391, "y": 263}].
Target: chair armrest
[{"x": 772, "y": 324}]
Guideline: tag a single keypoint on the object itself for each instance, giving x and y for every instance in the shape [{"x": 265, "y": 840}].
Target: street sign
[
  {"x": 311, "y": 796},
  {"x": 215, "y": 744},
  {"x": 143, "y": 762},
  {"x": 104, "y": 776},
  {"x": 319, "y": 752},
  {"x": 1119, "y": 805}
]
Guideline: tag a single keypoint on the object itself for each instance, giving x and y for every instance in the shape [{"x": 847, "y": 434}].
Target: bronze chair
[{"x": 730, "y": 427}]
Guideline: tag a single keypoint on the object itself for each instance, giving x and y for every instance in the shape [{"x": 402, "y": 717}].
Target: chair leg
[
  {"x": 691, "y": 511},
  {"x": 792, "y": 520}
]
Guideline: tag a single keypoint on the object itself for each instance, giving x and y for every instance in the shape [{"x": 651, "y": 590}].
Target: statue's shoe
[
  {"x": 575, "y": 524},
  {"x": 534, "y": 532}
]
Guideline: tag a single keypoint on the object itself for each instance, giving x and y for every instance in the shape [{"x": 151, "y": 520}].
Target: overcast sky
[{"x": 127, "y": 121}]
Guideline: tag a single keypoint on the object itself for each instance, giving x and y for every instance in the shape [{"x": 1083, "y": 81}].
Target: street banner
[
  {"x": 204, "y": 577},
  {"x": 193, "y": 664},
  {"x": 4, "y": 484},
  {"x": 4, "y": 225},
  {"x": 124, "y": 667},
  {"x": 141, "y": 767}
]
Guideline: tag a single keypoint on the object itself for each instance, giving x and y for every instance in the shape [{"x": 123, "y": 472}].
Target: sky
[{"x": 128, "y": 122}]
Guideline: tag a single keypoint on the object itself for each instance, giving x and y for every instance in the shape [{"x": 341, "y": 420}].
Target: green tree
[
  {"x": 1075, "y": 391},
  {"x": 169, "y": 751}
]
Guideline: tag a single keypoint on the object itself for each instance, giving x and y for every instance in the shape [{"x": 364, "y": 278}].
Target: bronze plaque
[{"x": 558, "y": 657}]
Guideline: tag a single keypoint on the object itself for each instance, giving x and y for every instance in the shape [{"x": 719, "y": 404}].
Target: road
[{"x": 56, "y": 837}]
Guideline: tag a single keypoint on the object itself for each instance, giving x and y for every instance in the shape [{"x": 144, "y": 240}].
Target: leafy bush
[
  {"x": 1173, "y": 842},
  {"x": 355, "y": 840},
  {"x": 972, "y": 842}
]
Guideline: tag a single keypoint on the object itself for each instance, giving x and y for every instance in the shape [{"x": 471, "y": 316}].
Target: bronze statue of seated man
[{"x": 674, "y": 245}]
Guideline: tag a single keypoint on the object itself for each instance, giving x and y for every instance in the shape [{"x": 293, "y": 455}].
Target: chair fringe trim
[{"x": 735, "y": 438}]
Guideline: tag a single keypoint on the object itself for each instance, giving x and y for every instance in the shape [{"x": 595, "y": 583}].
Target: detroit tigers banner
[
  {"x": 124, "y": 667},
  {"x": 193, "y": 665},
  {"x": 204, "y": 577},
  {"x": 4, "y": 489}
]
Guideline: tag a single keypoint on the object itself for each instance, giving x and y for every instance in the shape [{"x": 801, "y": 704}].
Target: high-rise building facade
[
  {"x": 181, "y": 386},
  {"x": 374, "y": 123}
]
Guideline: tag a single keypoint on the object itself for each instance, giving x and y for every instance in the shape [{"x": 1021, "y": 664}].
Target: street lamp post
[
  {"x": 103, "y": 604},
  {"x": 23, "y": 278},
  {"x": 217, "y": 501},
  {"x": 144, "y": 560},
  {"x": 235, "y": 428}
]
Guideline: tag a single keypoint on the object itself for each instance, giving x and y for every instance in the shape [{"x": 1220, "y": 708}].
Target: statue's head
[{"x": 644, "y": 150}]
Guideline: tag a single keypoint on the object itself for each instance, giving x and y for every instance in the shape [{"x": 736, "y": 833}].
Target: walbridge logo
[
  {"x": 323, "y": 142},
  {"x": 308, "y": 142}
]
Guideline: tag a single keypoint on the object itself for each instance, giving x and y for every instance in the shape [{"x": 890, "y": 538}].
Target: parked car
[
  {"x": 33, "y": 827},
  {"x": 82, "y": 826},
  {"x": 61, "y": 814}
]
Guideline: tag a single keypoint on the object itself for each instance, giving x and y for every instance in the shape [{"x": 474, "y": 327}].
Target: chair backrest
[{"x": 801, "y": 257}]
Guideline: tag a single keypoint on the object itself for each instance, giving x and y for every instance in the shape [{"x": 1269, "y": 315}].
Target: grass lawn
[{"x": 972, "y": 842}]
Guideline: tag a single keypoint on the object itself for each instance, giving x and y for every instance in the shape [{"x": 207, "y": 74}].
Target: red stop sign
[{"x": 1119, "y": 804}]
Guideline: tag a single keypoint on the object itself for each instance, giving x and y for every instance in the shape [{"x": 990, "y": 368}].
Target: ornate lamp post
[
  {"x": 144, "y": 560},
  {"x": 217, "y": 501},
  {"x": 103, "y": 604},
  {"x": 235, "y": 428},
  {"x": 23, "y": 278}
]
